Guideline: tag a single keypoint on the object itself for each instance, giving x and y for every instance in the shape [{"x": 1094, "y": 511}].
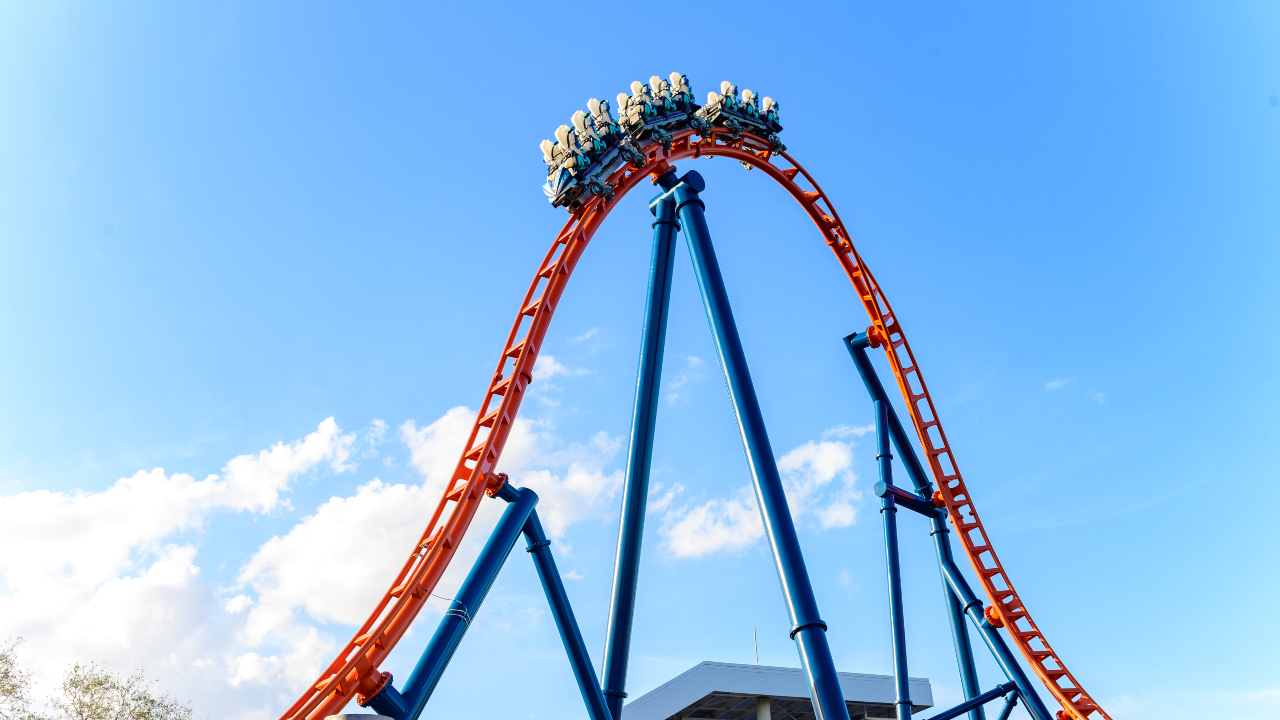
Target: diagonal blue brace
[
  {"x": 408, "y": 704},
  {"x": 519, "y": 517},
  {"x": 635, "y": 489},
  {"x": 553, "y": 586},
  {"x": 807, "y": 628}
]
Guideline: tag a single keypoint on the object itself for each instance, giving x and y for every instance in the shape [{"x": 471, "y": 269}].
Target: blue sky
[{"x": 222, "y": 226}]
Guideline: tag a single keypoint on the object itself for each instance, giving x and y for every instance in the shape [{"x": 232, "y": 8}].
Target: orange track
[{"x": 355, "y": 671}]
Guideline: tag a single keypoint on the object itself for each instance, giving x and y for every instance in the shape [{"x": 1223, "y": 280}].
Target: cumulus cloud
[
  {"x": 718, "y": 524},
  {"x": 819, "y": 483},
  {"x": 807, "y": 474},
  {"x": 844, "y": 431},
  {"x": 548, "y": 367},
  {"x": 323, "y": 570},
  {"x": 690, "y": 371},
  {"x": 569, "y": 478},
  {"x": 105, "y": 575}
]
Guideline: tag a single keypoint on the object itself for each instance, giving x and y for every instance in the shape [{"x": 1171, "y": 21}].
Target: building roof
[{"x": 726, "y": 691}]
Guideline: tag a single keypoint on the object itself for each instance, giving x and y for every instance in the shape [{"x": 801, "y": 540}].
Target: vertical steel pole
[
  {"x": 807, "y": 628},
  {"x": 579, "y": 659},
  {"x": 408, "y": 703},
  {"x": 644, "y": 415},
  {"x": 857, "y": 345},
  {"x": 889, "y": 515}
]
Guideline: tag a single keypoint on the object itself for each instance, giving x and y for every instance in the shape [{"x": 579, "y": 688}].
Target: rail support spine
[
  {"x": 807, "y": 629},
  {"x": 540, "y": 548},
  {"x": 857, "y": 345},
  {"x": 889, "y": 517},
  {"x": 408, "y": 703},
  {"x": 644, "y": 417}
]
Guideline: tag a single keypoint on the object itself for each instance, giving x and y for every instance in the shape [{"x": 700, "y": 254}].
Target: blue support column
[
  {"x": 807, "y": 628},
  {"x": 991, "y": 635},
  {"x": 579, "y": 659},
  {"x": 635, "y": 489},
  {"x": 857, "y": 345},
  {"x": 407, "y": 704},
  {"x": 888, "y": 514}
]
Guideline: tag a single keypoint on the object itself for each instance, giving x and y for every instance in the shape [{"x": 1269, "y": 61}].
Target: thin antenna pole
[{"x": 755, "y": 640}]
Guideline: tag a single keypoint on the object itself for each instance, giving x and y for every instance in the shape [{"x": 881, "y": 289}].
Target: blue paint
[
  {"x": 955, "y": 614},
  {"x": 408, "y": 704},
  {"x": 889, "y": 516},
  {"x": 540, "y": 548},
  {"x": 808, "y": 629},
  {"x": 644, "y": 415},
  {"x": 857, "y": 345},
  {"x": 908, "y": 500},
  {"x": 991, "y": 635},
  {"x": 978, "y": 701},
  {"x": 1008, "y": 707}
]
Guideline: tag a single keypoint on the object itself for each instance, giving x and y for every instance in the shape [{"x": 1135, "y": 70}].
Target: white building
[{"x": 725, "y": 691}]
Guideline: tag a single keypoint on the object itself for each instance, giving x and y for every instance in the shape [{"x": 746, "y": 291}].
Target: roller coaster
[{"x": 591, "y": 167}]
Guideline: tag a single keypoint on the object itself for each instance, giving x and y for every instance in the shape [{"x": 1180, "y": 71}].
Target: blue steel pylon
[{"x": 807, "y": 628}]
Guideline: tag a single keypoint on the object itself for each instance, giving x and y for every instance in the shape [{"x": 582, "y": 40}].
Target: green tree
[
  {"x": 15, "y": 684},
  {"x": 92, "y": 692}
]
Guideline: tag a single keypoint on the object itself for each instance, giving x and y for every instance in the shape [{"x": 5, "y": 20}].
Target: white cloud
[
  {"x": 569, "y": 478},
  {"x": 819, "y": 484},
  {"x": 1057, "y": 383},
  {"x": 434, "y": 449},
  {"x": 718, "y": 524},
  {"x": 548, "y": 367},
  {"x": 585, "y": 336},
  {"x": 324, "y": 571},
  {"x": 844, "y": 431},
  {"x": 113, "y": 576},
  {"x": 691, "y": 371},
  {"x": 1097, "y": 396},
  {"x": 104, "y": 575},
  {"x": 808, "y": 470}
]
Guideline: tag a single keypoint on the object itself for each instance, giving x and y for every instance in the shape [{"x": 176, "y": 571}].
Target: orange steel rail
[{"x": 355, "y": 670}]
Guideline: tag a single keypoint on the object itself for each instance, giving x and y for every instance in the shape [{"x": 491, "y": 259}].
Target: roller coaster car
[
  {"x": 586, "y": 155},
  {"x": 582, "y": 160},
  {"x": 657, "y": 111},
  {"x": 738, "y": 116}
]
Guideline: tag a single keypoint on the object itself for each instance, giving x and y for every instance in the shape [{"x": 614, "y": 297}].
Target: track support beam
[
  {"x": 408, "y": 703},
  {"x": 889, "y": 517},
  {"x": 857, "y": 345},
  {"x": 807, "y": 628},
  {"x": 960, "y": 598},
  {"x": 519, "y": 517},
  {"x": 644, "y": 416},
  {"x": 540, "y": 548}
]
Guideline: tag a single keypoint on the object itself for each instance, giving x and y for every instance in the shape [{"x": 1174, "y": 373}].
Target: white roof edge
[{"x": 707, "y": 677}]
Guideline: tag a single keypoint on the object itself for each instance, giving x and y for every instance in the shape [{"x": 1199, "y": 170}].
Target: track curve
[{"x": 355, "y": 670}]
